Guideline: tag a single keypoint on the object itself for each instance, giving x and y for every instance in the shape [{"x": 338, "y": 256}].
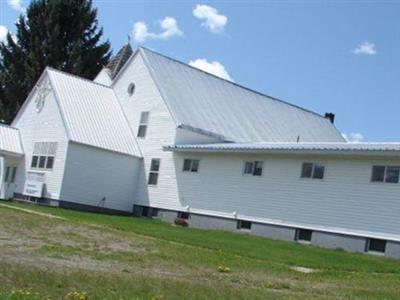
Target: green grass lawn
[{"x": 111, "y": 257}]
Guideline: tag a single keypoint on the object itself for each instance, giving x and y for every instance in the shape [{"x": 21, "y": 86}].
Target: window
[
  {"x": 43, "y": 155},
  {"x": 303, "y": 235},
  {"x": 191, "y": 165},
  {"x": 246, "y": 225},
  {"x": 388, "y": 174},
  {"x": 131, "y": 89},
  {"x": 14, "y": 172},
  {"x": 7, "y": 174},
  {"x": 145, "y": 211},
  {"x": 312, "y": 170},
  {"x": 50, "y": 162},
  {"x": 35, "y": 160},
  {"x": 183, "y": 215},
  {"x": 42, "y": 162},
  {"x": 375, "y": 245},
  {"x": 154, "y": 169},
  {"x": 253, "y": 168},
  {"x": 144, "y": 120},
  {"x": 154, "y": 212}
]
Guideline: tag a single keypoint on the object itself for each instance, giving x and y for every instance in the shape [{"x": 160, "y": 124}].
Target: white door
[
  {"x": 2, "y": 183},
  {"x": 8, "y": 183}
]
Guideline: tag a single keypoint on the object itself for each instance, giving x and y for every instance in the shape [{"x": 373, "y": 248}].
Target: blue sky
[{"x": 327, "y": 56}]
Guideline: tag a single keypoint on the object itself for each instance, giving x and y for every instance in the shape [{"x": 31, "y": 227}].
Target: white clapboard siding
[
  {"x": 160, "y": 131},
  {"x": 44, "y": 126},
  {"x": 103, "y": 77},
  {"x": 345, "y": 198},
  {"x": 92, "y": 174}
]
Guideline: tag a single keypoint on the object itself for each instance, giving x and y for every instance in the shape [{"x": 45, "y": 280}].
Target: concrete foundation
[{"x": 318, "y": 238}]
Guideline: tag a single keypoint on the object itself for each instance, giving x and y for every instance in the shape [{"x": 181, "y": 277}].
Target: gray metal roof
[
  {"x": 10, "y": 141},
  {"x": 201, "y": 100},
  {"x": 92, "y": 114},
  {"x": 323, "y": 148}
]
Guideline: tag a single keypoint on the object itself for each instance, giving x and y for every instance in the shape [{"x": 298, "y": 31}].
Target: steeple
[{"x": 118, "y": 61}]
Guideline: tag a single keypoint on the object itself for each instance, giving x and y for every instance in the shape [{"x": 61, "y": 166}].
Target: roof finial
[{"x": 129, "y": 39}]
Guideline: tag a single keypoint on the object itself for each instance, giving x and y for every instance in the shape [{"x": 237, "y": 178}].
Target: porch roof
[{"x": 10, "y": 141}]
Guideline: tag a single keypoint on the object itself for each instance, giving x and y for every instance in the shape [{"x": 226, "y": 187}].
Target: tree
[{"x": 62, "y": 34}]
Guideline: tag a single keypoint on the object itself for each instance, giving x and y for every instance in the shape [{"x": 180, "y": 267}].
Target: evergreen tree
[{"x": 62, "y": 34}]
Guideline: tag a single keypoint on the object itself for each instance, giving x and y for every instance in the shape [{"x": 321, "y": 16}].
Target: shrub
[{"x": 181, "y": 222}]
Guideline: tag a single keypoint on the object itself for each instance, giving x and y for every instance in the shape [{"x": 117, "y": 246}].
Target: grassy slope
[{"x": 260, "y": 267}]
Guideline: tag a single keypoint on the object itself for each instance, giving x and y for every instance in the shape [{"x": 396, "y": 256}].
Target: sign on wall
[{"x": 34, "y": 184}]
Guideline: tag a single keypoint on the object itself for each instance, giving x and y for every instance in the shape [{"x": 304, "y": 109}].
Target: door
[
  {"x": 2, "y": 183},
  {"x": 8, "y": 183}
]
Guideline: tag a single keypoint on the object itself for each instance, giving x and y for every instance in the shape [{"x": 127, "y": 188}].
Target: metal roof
[
  {"x": 92, "y": 114},
  {"x": 303, "y": 148},
  {"x": 201, "y": 100},
  {"x": 10, "y": 141}
]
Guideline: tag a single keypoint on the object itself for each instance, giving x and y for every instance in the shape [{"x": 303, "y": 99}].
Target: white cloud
[
  {"x": 140, "y": 31},
  {"x": 213, "y": 21},
  {"x": 366, "y": 48},
  {"x": 353, "y": 137},
  {"x": 169, "y": 26},
  {"x": 16, "y": 5},
  {"x": 214, "y": 67},
  {"x": 3, "y": 33}
]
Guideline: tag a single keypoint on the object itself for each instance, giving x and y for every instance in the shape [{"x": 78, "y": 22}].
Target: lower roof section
[
  {"x": 374, "y": 149},
  {"x": 10, "y": 141}
]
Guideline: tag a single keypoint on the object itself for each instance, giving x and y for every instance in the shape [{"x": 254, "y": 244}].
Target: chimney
[{"x": 330, "y": 117}]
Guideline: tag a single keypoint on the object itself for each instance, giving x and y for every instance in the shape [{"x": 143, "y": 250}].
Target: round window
[{"x": 131, "y": 88}]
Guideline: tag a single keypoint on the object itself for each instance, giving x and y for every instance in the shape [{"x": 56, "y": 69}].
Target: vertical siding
[
  {"x": 160, "y": 131},
  {"x": 345, "y": 198},
  {"x": 93, "y": 173},
  {"x": 47, "y": 125}
]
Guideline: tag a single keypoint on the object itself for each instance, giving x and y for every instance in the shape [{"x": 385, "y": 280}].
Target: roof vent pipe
[{"x": 330, "y": 117}]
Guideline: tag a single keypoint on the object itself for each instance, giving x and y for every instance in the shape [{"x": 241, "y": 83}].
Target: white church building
[{"x": 152, "y": 136}]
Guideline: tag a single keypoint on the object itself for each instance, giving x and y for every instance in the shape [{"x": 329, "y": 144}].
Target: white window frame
[
  {"x": 154, "y": 172},
  {"x": 368, "y": 246},
  {"x": 46, "y": 151},
  {"x": 7, "y": 175},
  {"x": 239, "y": 225},
  {"x": 144, "y": 124},
  {"x": 384, "y": 174},
  {"x": 313, "y": 170},
  {"x": 192, "y": 160},
  {"x": 298, "y": 234},
  {"x": 253, "y": 162},
  {"x": 13, "y": 174},
  {"x": 46, "y": 159}
]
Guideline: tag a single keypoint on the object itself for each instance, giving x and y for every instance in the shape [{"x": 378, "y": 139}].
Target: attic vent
[{"x": 131, "y": 88}]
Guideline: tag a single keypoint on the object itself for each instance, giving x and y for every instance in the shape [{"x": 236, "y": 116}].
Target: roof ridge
[
  {"x": 76, "y": 76},
  {"x": 233, "y": 83}
]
